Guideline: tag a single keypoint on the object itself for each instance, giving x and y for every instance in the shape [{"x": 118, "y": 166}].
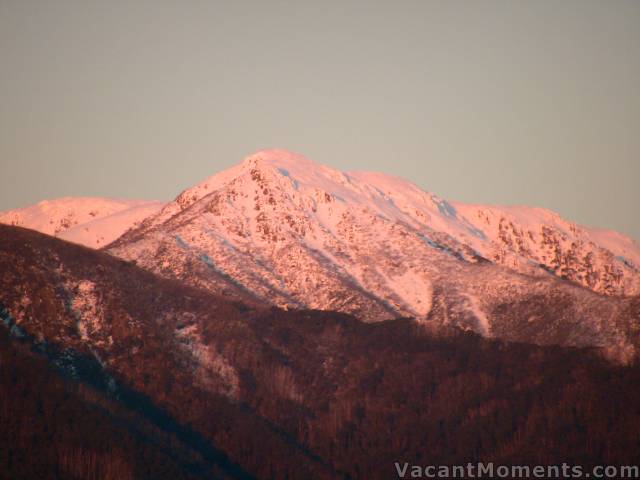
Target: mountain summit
[
  {"x": 279, "y": 229},
  {"x": 296, "y": 234}
]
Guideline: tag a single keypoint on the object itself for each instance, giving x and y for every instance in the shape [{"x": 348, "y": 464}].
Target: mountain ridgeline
[
  {"x": 285, "y": 320},
  {"x": 296, "y": 234}
]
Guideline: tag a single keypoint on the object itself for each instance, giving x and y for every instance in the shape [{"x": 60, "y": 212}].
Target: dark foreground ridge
[{"x": 107, "y": 371}]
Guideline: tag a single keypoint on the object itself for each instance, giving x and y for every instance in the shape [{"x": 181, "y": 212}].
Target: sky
[{"x": 498, "y": 102}]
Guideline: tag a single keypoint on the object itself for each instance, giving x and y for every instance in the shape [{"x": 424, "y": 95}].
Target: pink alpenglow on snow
[
  {"x": 302, "y": 234},
  {"x": 280, "y": 229},
  {"x": 90, "y": 221}
]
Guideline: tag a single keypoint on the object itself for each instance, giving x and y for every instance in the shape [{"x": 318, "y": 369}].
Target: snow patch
[
  {"x": 215, "y": 371},
  {"x": 86, "y": 308},
  {"x": 484, "y": 324},
  {"x": 415, "y": 289}
]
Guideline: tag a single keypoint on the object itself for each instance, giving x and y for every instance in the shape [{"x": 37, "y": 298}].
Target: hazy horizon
[{"x": 527, "y": 103}]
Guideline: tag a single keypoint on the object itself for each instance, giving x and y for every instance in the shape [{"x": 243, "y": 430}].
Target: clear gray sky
[{"x": 509, "y": 102}]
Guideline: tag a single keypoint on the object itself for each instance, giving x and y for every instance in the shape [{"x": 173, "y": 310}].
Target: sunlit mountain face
[
  {"x": 283, "y": 319},
  {"x": 296, "y": 234},
  {"x": 90, "y": 221}
]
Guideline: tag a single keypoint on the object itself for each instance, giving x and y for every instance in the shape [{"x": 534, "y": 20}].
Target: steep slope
[
  {"x": 53, "y": 427},
  {"x": 89, "y": 221},
  {"x": 603, "y": 261},
  {"x": 257, "y": 392},
  {"x": 135, "y": 338},
  {"x": 301, "y": 235}
]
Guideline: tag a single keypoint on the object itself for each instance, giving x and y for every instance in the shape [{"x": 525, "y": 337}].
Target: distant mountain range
[
  {"x": 285, "y": 320},
  {"x": 90, "y": 221},
  {"x": 280, "y": 229}
]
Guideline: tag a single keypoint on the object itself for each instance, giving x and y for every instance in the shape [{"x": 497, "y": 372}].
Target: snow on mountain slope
[
  {"x": 626, "y": 249},
  {"x": 603, "y": 261},
  {"x": 283, "y": 227},
  {"x": 90, "y": 221},
  {"x": 298, "y": 234},
  {"x": 102, "y": 231}
]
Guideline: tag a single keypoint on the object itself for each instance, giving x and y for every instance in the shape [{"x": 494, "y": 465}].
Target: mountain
[
  {"x": 90, "y": 221},
  {"x": 139, "y": 341},
  {"x": 109, "y": 371},
  {"x": 602, "y": 260},
  {"x": 301, "y": 235}
]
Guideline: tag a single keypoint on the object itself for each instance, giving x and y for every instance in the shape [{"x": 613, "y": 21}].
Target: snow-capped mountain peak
[
  {"x": 298, "y": 234},
  {"x": 280, "y": 229}
]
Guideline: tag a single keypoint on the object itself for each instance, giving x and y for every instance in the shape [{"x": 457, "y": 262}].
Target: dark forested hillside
[
  {"x": 53, "y": 427},
  {"x": 106, "y": 370}
]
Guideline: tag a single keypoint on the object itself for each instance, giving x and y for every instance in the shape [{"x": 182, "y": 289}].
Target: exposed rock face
[{"x": 605, "y": 262}]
